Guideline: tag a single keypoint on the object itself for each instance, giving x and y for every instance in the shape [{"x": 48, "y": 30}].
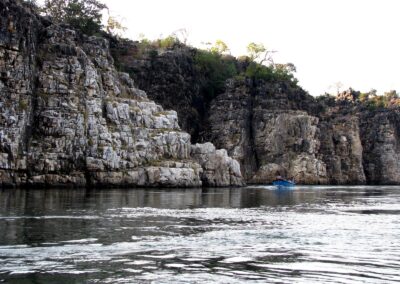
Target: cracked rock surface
[{"x": 68, "y": 118}]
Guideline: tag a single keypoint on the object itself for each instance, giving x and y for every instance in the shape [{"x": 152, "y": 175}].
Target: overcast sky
[{"x": 356, "y": 42}]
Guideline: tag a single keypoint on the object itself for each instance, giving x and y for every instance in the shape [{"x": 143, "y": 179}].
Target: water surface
[{"x": 252, "y": 235}]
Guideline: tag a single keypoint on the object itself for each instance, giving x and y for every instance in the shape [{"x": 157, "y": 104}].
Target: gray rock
[
  {"x": 73, "y": 120},
  {"x": 272, "y": 127},
  {"x": 218, "y": 168},
  {"x": 342, "y": 150},
  {"x": 288, "y": 138},
  {"x": 380, "y": 140}
]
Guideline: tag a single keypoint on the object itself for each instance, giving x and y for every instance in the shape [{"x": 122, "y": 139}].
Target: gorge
[
  {"x": 81, "y": 110},
  {"x": 273, "y": 127}
]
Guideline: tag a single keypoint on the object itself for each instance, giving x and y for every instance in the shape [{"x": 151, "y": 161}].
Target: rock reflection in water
[{"x": 38, "y": 202}]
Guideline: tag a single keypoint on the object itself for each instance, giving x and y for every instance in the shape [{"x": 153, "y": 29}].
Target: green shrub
[
  {"x": 372, "y": 101},
  {"x": 167, "y": 42},
  {"x": 363, "y": 97},
  {"x": 216, "y": 69},
  {"x": 259, "y": 72},
  {"x": 277, "y": 73}
]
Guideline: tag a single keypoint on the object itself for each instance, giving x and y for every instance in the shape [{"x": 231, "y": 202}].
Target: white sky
[{"x": 356, "y": 42}]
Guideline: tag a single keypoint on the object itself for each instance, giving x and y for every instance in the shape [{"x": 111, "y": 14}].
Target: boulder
[{"x": 218, "y": 168}]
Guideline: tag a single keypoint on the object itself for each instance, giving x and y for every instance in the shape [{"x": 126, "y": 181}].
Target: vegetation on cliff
[
  {"x": 69, "y": 118},
  {"x": 216, "y": 65},
  {"x": 213, "y": 66},
  {"x": 188, "y": 79},
  {"x": 254, "y": 108},
  {"x": 370, "y": 101},
  {"x": 82, "y": 15}
]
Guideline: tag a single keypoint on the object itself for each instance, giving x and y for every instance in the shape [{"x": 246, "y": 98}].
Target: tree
[
  {"x": 114, "y": 27},
  {"x": 219, "y": 47},
  {"x": 337, "y": 86},
  {"x": 373, "y": 92},
  {"x": 391, "y": 95},
  {"x": 55, "y": 9},
  {"x": 84, "y": 15},
  {"x": 285, "y": 72},
  {"x": 168, "y": 42},
  {"x": 181, "y": 35},
  {"x": 289, "y": 68},
  {"x": 363, "y": 97},
  {"x": 257, "y": 51},
  {"x": 216, "y": 69}
]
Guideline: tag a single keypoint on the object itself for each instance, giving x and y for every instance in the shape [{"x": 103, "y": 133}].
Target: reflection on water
[{"x": 254, "y": 234}]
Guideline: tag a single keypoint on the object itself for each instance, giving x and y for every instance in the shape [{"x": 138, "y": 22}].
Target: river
[{"x": 255, "y": 235}]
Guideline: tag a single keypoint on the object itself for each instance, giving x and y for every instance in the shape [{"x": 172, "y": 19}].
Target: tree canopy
[
  {"x": 219, "y": 47},
  {"x": 114, "y": 27},
  {"x": 84, "y": 15},
  {"x": 255, "y": 50}
]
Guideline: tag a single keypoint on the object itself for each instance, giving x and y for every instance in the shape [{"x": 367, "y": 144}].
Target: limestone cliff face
[
  {"x": 380, "y": 132},
  {"x": 287, "y": 145},
  {"x": 273, "y": 128},
  {"x": 169, "y": 77},
  {"x": 219, "y": 168},
  {"x": 231, "y": 125},
  {"x": 268, "y": 141},
  {"x": 277, "y": 129},
  {"x": 341, "y": 149},
  {"x": 272, "y": 131},
  {"x": 69, "y": 118}
]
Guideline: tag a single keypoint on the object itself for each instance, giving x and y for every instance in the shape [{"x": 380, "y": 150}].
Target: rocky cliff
[
  {"x": 69, "y": 118},
  {"x": 269, "y": 134},
  {"x": 167, "y": 76},
  {"x": 341, "y": 149},
  {"x": 380, "y": 138},
  {"x": 274, "y": 127}
]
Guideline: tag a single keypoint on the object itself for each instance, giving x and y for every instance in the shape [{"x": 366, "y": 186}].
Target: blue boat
[{"x": 283, "y": 183}]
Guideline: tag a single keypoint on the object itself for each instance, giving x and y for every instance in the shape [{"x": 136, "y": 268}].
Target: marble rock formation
[{"x": 68, "y": 118}]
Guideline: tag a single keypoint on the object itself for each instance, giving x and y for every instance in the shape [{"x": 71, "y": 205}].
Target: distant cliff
[
  {"x": 272, "y": 127},
  {"x": 68, "y": 118}
]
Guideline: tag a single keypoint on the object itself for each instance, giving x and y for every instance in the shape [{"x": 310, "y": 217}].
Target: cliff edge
[
  {"x": 271, "y": 126},
  {"x": 68, "y": 118}
]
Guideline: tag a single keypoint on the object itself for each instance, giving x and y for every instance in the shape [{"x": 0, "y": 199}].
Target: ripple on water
[{"x": 344, "y": 236}]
